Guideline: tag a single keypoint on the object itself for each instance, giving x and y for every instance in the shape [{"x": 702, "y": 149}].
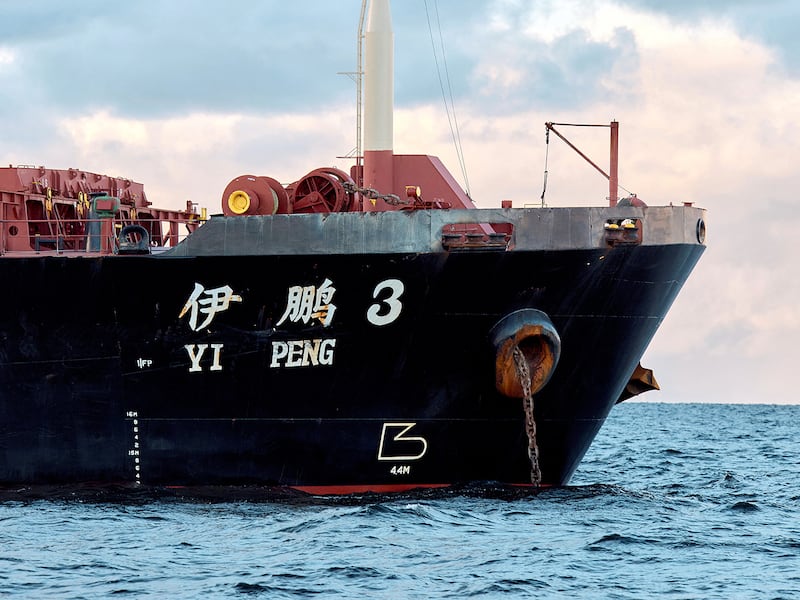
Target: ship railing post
[
  {"x": 106, "y": 231},
  {"x": 173, "y": 233}
]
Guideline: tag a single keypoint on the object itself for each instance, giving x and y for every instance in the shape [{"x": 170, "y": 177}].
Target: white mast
[
  {"x": 379, "y": 78},
  {"x": 378, "y": 101}
]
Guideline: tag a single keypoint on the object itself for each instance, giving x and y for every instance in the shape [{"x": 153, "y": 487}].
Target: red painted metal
[
  {"x": 264, "y": 196},
  {"x": 48, "y": 210},
  {"x": 322, "y": 191},
  {"x": 613, "y": 177},
  {"x": 339, "y": 490},
  {"x": 331, "y": 190},
  {"x": 379, "y": 176}
]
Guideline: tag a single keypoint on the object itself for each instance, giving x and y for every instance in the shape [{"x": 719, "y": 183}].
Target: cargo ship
[{"x": 361, "y": 331}]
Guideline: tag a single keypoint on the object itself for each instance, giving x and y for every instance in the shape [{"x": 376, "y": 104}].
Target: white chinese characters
[
  {"x": 305, "y": 305},
  {"x": 310, "y": 302},
  {"x": 208, "y": 303}
]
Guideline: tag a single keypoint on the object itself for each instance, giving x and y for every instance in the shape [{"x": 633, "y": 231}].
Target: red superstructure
[
  {"x": 326, "y": 190},
  {"x": 70, "y": 210}
]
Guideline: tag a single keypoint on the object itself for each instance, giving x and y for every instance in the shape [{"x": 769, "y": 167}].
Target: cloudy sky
[{"x": 183, "y": 96}]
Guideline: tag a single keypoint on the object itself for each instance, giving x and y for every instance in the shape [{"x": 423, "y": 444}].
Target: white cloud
[
  {"x": 714, "y": 120},
  {"x": 195, "y": 156},
  {"x": 7, "y": 56},
  {"x": 101, "y": 128}
]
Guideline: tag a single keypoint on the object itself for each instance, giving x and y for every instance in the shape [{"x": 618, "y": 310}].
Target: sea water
[{"x": 672, "y": 501}]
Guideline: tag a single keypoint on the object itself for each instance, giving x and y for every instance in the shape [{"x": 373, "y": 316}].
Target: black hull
[{"x": 107, "y": 384}]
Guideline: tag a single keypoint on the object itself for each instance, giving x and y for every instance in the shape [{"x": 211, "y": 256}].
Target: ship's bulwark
[{"x": 316, "y": 370}]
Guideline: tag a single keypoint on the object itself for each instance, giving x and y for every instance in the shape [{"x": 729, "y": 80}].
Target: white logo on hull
[{"x": 400, "y": 446}]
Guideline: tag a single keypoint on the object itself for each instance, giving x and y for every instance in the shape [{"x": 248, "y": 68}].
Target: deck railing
[{"x": 90, "y": 236}]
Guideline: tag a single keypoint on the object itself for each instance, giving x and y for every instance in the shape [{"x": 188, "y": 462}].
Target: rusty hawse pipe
[{"x": 533, "y": 333}]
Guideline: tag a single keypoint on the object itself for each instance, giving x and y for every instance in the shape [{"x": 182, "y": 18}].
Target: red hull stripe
[
  {"x": 331, "y": 490},
  {"x": 341, "y": 490}
]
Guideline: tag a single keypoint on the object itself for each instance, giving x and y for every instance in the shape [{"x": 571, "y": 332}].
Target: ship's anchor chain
[
  {"x": 373, "y": 194},
  {"x": 527, "y": 348},
  {"x": 524, "y": 373}
]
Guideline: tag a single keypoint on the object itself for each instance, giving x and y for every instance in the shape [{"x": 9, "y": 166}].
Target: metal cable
[{"x": 452, "y": 120}]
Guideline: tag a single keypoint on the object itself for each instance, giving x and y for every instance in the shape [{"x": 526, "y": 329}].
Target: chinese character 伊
[{"x": 209, "y": 303}]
